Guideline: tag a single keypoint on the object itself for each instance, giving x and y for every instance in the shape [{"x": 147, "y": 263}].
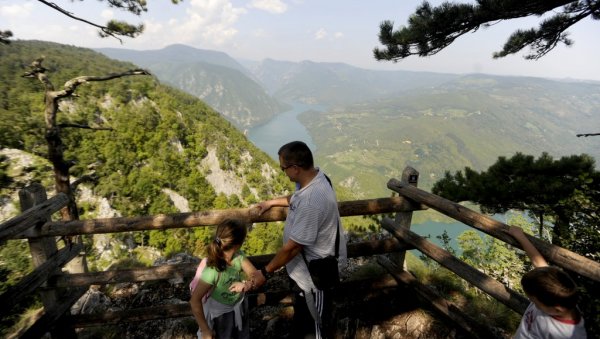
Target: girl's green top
[{"x": 230, "y": 275}]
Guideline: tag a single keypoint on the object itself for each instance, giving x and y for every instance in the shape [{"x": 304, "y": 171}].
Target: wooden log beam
[
  {"x": 31, "y": 217},
  {"x": 492, "y": 287},
  {"x": 15, "y": 294},
  {"x": 558, "y": 255},
  {"x": 404, "y": 219},
  {"x": 441, "y": 305},
  {"x": 186, "y": 271},
  {"x": 206, "y": 218},
  {"x": 49, "y": 318},
  {"x": 184, "y": 310}
]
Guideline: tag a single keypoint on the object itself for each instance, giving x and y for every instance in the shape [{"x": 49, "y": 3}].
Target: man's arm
[
  {"x": 266, "y": 205},
  {"x": 534, "y": 255},
  {"x": 286, "y": 253}
]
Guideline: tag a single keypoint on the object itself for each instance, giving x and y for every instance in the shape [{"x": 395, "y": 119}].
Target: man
[{"x": 311, "y": 227}]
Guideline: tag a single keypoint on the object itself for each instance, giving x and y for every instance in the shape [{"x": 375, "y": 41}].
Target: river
[{"x": 285, "y": 127}]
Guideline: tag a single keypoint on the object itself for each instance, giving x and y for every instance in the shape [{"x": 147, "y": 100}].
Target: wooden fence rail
[
  {"x": 487, "y": 284},
  {"x": 186, "y": 271},
  {"x": 48, "y": 260},
  {"x": 444, "y": 307},
  {"x": 28, "y": 284},
  {"x": 33, "y": 216},
  {"x": 558, "y": 255},
  {"x": 205, "y": 218}
]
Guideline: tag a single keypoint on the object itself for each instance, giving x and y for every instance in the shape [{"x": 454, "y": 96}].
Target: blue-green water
[
  {"x": 286, "y": 127},
  {"x": 434, "y": 229},
  {"x": 283, "y": 128}
]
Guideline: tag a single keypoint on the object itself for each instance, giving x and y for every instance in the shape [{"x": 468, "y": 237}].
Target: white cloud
[
  {"x": 152, "y": 27},
  {"x": 16, "y": 11},
  {"x": 271, "y": 6},
  {"x": 338, "y": 35},
  {"x": 321, "y": 34},
  {"x": 210, "y": 22},
  {"x": 259, "y": 33},
  {"x": 107, "y": 14}
]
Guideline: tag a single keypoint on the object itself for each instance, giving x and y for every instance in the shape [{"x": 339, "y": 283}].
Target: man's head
[
  {"x": 295, "y": 153},
  {"x": 551, "y": 287}
]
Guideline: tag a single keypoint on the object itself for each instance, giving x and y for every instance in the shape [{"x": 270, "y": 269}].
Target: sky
[{"x": 295, "y": 30}]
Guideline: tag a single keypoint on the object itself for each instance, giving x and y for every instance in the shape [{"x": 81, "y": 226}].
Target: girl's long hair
[{"x": 229, "y": 233}]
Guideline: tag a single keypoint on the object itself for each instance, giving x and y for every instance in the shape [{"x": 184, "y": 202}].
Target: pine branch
[{"x": 113, "y": 29}]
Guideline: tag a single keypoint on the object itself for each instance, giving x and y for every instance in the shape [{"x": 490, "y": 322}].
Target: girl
[{"x": 225, "y": 313}]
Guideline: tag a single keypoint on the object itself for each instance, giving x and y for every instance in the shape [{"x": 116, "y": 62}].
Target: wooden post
[
  {"x": 558, "y": 255},
  {"x": 41, "y": 250},
  {"x": 409, "y": 176},
  {"x": 487, "y": 284}
]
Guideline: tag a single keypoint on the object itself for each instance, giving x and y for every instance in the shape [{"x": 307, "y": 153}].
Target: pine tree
[
  {"x": 562, "y": 189},
  {"x": 431, "y": 29},
  {"x": 113, "y": 28}
]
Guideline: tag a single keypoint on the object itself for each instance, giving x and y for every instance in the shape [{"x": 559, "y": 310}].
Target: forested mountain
[
  {"x": 337, "y": 83},
  {"x": 434, "y": 122},
  {"x": 468, "y": 121},
  {"x": 212, "y": 76},
  {"x": 166, "y": 152}
]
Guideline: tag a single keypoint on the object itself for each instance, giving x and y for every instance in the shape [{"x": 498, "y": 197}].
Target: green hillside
[
  {"x": 470, "y": 121},
  {"x": 162, "y": 140},
  {"x": 212, "y": 76},
  {"x": 337, "y": 83}
]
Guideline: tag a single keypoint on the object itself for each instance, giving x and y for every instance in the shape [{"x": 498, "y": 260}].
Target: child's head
[
  {"x": 230, "y": 234},
  {"x": 550, "y": 286}
]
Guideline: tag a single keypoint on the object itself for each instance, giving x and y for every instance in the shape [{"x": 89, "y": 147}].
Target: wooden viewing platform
[{"x": 59, "y": 290}]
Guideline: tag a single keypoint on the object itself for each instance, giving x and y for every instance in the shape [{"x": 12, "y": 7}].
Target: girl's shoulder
[
  {"x": 209, "y": 275},
  {"x": 238, "y": 257}
]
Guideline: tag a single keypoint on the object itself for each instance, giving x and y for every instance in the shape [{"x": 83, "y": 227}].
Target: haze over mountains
[{"x": 378, "y": 122}]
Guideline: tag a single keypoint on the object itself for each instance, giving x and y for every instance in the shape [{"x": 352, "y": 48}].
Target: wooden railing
[{"x": 59, "y": 290}]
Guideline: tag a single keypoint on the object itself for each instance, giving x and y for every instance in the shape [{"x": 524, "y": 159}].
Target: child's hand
[{"x": 237, "y": 287}]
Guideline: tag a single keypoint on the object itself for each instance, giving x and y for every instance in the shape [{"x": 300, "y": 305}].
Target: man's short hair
[
  {"x": 296, "y": 153},
  {"x": 551, "y": 286}
]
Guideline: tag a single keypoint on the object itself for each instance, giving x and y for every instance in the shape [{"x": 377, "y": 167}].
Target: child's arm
[
  {"x": 246, "y": 285},
  {"x": 534, "y": 255},
  {"x": 198, "y": 308}
]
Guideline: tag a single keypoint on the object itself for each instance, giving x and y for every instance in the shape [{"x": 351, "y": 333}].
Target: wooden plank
[
  {"x": 132, "y": 315},
  {"x": 27, "y": 285},
  {"x": 186, "y": 271},
  {"x": 558, "y": 255},
  {"x": 50, "y": 317},
  {"x": 31, "y": 217},
  {"x": 183, "y": 310},
  {"x": 446, "y": 308},
  {"x": 206, "y": 218},
  {"x": 42, "y": 251},
  {"x": 492, "y": 287}
]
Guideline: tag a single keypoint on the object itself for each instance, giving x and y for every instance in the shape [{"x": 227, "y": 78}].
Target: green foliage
[
  {"x": 15, "y": 264},
  {"x": 264, "y": 238},
  {"x": 431, "y": 29},
  {"x": 467, "y": 121},
  {"x": 492, "y": 257},
  {"x": 565, "y": 189}
]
